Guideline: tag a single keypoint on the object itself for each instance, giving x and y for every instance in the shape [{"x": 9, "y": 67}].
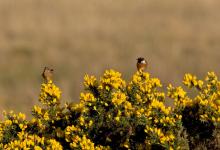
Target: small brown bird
[
  {"x": 141, "y": 64},
  {"x": 47, "y": 74}
]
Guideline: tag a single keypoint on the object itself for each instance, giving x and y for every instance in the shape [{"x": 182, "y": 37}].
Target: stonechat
[
  {"x": 47, "y": 74},
  {"x": 141, "y": 64}
]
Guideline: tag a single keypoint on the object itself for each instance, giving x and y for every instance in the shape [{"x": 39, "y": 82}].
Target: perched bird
[
  {"x": 47, "y": 74},
  {"x": 141, "y": 64}
]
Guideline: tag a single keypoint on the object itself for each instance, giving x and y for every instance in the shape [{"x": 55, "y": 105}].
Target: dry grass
[{"x": 78, "y": 37}]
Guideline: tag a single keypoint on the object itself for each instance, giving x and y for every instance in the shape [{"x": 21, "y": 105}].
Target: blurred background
[{"x": 79, "y": 37}]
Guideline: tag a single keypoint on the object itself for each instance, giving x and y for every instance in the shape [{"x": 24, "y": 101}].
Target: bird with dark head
[
  {"x": 141, "y": 64},
  {"x": 47, "y": 74}
]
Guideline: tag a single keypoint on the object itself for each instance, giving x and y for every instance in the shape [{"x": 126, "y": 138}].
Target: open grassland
[{"x": 78, "y": 37}]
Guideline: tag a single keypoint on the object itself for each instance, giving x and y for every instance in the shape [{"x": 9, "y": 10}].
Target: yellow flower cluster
[
  {"x": 191, "y": 81},
  {"x": 27, "y": 142},
  {"x": 78, "y": 140},
  {"x": 149, "y": 106},
  {"x": 169, "y": 138},
  {"x": 179, "y": 96},
  {"x": 209, "y": 110},
  {"x": 161, "y": 121},
  {"x": 12, "y": 122},
  {"x": 50, "y": 94},
  {"x": 160, "y": 107},
  {"x": 114, "y": 115},
  {"x": 40, "y": 113},
  {"x": 111, "y": 79},
  {"x": 87, "y": 97},
  {"x": 82, "y": 143},
  {"x": 208, "y": 98},
  {"x": 89, "y": 81},
  {"x": 144, "y": 88},
  {"x": 145, "y": 82},
  {"x": 71, "y": 131},
  {"x": 118, "y": 98}
]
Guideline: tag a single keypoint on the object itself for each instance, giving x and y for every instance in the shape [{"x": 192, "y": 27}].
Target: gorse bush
[{"x": 113, "y": 114}]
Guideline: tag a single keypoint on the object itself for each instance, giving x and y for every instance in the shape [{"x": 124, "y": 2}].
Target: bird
[
  {"x": 141, "y": 64},
  {"x": 47, "y": 74}
]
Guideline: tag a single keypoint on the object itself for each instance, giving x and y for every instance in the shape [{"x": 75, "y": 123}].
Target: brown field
[{"x": 78, "y": 37}]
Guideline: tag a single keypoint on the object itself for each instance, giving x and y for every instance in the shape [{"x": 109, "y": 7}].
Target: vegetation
[
  {"x": 174, "y": 36},
  {"x": 113, "y": 114}
]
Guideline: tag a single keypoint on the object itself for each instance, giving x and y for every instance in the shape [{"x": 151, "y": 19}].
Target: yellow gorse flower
[
  {"x": 118, "y": 98},
  {"x": 89, "y": 81},
  {"x": 87, "y": 97},
  {"x": 50, "y": 94},
  {"x": 114, "y": 115},
  {"x": 111, "y": 79}
]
